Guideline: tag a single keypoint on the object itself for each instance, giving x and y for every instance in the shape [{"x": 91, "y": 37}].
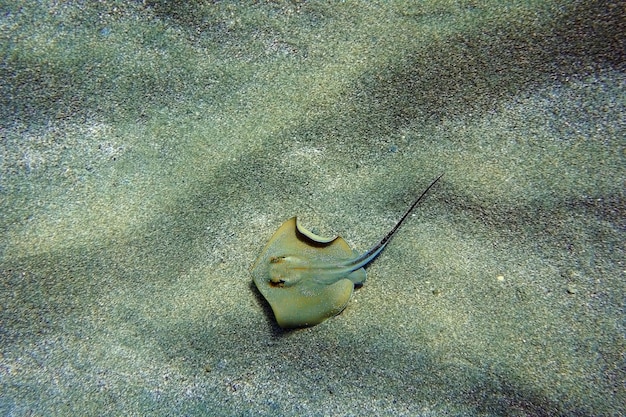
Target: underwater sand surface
[{"x": 149, "y": 150}]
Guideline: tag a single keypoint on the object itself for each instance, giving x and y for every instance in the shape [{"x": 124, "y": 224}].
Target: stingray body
[{"x": 307, "y": 278}]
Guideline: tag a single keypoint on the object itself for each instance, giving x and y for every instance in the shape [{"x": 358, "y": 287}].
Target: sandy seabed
[{"x": 149, "y": 150}]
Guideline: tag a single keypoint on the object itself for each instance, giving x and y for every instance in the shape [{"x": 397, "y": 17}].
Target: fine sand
[{"x": 150, "y": 149}]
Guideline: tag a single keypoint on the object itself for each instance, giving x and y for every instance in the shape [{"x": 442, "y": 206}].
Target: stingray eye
[
  {"x": 276, "y": 259},
  {"x": 278, "y": 283}
]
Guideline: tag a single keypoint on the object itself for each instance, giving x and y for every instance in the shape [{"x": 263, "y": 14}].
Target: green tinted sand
[{"x": 149, "y": 151}]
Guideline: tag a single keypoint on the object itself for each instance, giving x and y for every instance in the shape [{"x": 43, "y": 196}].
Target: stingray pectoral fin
[
  {"x": 310, "y": 235},
  {"x": 301, "y": 306},
  {"x": 358, "y": 277}
]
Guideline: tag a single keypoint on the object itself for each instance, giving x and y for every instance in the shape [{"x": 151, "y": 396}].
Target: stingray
[{"x": 307, "y": 278}]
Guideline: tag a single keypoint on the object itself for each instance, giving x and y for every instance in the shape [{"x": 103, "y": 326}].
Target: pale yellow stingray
[{"x": 307, "y": 278}]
